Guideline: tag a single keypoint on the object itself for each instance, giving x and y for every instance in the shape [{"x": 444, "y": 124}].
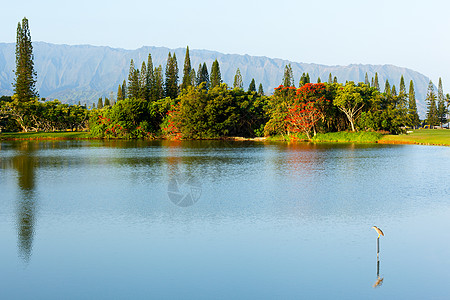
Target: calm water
[{"x": 223, "y": 220}]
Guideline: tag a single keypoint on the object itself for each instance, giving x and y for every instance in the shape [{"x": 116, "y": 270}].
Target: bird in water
[{"x": 378, "y": 230}]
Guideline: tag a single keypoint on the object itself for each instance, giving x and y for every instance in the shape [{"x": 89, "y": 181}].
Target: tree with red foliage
[{"x": 308, "y": 108}]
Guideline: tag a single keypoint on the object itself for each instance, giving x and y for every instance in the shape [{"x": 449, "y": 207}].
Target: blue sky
[{"x": 412, "y": 34}]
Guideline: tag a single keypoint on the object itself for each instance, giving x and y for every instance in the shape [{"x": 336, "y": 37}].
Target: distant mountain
[{"x": 84, "y": 73}]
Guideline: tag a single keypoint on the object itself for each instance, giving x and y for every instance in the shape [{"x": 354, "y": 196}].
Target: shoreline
[{"x": 420, "y": 137}]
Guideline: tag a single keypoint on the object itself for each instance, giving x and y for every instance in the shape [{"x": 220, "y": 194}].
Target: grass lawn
[
  {"x": 44, "y": 135},
  {"x": 420, "y": 136}
]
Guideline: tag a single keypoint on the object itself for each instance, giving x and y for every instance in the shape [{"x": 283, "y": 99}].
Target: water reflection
[
  {"x": 24, "y": 163},
  {"x": 379, "y": 281}
]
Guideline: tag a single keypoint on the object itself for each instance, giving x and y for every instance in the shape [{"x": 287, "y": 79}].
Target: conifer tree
[
  {"x": 252, "y": 86},
  {"x": 432, "y": 117},
  {"x": 150, "y": 79},
  {"x": 261, "y": 90},
  {"x": 413, "y": 116},
  {"x": 335, "y": 79},
  {"x": 25, "y": 75},
  {"x": 186, "y": 70},
  {"x": 387, "y": 88},
  {"x": 198, "y": 78},
  {"x": 330, "y": 79},
  {"x": 203, "y": 76},
  {"x": 100, "y": 103},
  {"x": 394, "y": 91},
  {"x": 124, "y": 89},
  {"x": 402, "y": 101},
  {"x": 376, "y": 85},
  {"x": 308, "y": 80},
  {"x": 143, "y": 82},
  {"x": 318, "y": 80},
  {"x": 371, "y": 84},
  {"x": 171, "y": 83},
  {"x": 158, "y": 84},
  {"x": 107, "y": 102},
  {"x": 193, "y": 77},
  {"x": 238, "y": 80},
  {"x": 119, "y": 93},
  {"x": 441, "y": 110},
  {"x": 133, "y": 81},
  {"x": 288, "y": 78},
  {"x": 216, "y": 77},
  {"x": 366, "y": 80}
]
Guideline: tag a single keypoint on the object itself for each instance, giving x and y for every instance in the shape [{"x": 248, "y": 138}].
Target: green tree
[
  {"x": 119, "y": 93},
  {"x": 238, "y": 84},
  {"x": 304, "y": 79},
  {"x": 171, "y": 83},
  {"x": 318, "y": 80},
  {"x": 150, "y": 78},
  {"x": 260, "y": 90},
  {"x": 387, "y": 88},
  {"x": 288, "y": 77},
  {"x": 216, "y": 77},
  {"x": 186, "y": 70},
  {"x": 330, "y": 79},
  {"x": 252, "y": 86},
  {"x": 432, "y": 117},
  {"x": 158, "y": 84},
  {"x": 441, "y": 109},
  {"x": 25, "y": 75},
  {"x": 350, "y": 100},
  {"x": 375, "y": 82},
  {"x": 107, "y": 102},
  {"x": 133, "y": 81},
  {"x": 335, "y": 79},
  {"x": 124, "y": 89},
  {"x": 100, "y": 103},
  {"x": 413, "y": 116},
  {"x": 366, "y": 80},
  {"x": 402, "y": 96},
  {"x": 203, "y": 76},
  {"x": 193, "y": 77},
  {"x": 143, "y": 92}
]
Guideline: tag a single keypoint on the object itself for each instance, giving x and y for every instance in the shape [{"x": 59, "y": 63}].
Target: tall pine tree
[
  {"x": 216, "y": 77},
  {"x": 252, "y": 86},
  {"x": 441, "y": 110},
  {"x": 186, "y": 70},
  {"x": 432, "y": 117},
  {"x": 413, "y": 116},
  {"x": 119, "y": 93},
  {"x": 330, "y": 79},
  {"x": 25, "y": 80},
  {"x": 366, "y": 80},
  {"x": 171, "y": 83},
  {"x": 376, "y": 85},
  {"x": 260, "y": 90},
  {"x": 133, "y": 81},
  {"x": 150, "y": 78},
  {"x": 143, "y": 93},
  {"x": 288, "y": 77},
  {"x": 238, "y": 84}
]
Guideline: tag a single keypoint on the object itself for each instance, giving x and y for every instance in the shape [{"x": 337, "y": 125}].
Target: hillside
[{"x": 85, "y": 73}]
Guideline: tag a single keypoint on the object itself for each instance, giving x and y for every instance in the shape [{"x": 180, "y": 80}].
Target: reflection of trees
[{"x": 24, "y": 163}]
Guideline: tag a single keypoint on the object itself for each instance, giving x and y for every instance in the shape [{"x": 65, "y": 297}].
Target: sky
[{"x": 405, "y": 33}]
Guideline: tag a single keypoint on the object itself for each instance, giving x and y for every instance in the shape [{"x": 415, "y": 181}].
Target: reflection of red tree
[{"x": 307, "y": 108}]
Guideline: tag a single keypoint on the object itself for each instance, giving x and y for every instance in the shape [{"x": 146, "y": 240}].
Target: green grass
[
  {"x": 63, "y": 135},
  {"x": 347, "y": 137},
  {"x": 420, "y": 136}
]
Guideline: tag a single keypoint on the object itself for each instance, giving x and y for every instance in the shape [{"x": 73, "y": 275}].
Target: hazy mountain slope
[{"x": 85, "y": 73}]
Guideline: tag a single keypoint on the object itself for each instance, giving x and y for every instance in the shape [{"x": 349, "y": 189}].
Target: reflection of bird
[
  {"x": 378, "y": 283},
  {"x": 378, "y": 230}
]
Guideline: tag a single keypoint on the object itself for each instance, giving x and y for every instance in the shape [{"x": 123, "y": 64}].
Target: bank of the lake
[
  {"x": 58, "y": 135},
  {"x": 419, "y": 136}
]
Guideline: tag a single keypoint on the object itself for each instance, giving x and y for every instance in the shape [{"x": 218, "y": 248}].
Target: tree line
[{"x": 151, "y": 104}]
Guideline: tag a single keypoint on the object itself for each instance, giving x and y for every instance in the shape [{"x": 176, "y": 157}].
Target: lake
[{"x": 223, "y": 220}]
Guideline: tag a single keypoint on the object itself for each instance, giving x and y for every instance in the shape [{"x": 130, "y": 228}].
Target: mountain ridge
[{"x": 73, "y": 73}]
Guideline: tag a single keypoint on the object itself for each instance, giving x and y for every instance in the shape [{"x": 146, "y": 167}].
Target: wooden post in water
[{"x": 378, "y": 246}]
